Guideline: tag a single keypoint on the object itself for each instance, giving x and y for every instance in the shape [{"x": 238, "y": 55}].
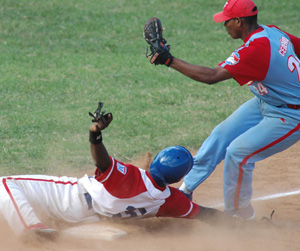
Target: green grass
[{"x": 59, "y": 58}]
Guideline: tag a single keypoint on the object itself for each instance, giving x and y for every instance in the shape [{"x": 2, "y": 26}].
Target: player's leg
[
  {"x": 270, "y": 136},
  {"x": 213, "y": 150},
  {"x": 66, "y": 199},
  {"x": 17, "y": 210},
  {"x": 27, "y": 197}
]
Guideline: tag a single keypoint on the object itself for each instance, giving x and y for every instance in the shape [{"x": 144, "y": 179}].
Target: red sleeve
[
  {"x": 178, "y": 205},
  {"x": 295, "y": 40},
  {"x": 249, "y": 63},
  {"x": 126, "y": 176},
  {"x": 296, "y": 43}
]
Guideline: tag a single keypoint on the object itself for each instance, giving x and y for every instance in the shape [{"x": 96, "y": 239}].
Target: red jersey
[
  {"x": 124, "y": 190},
  {"x": 252, "y": 60}
]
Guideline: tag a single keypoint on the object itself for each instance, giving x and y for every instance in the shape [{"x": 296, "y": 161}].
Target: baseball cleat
[
  {"x": 41, "y": 231},
  {"x": 188, "y": 195},
  {"x": 246, "y": 213}
]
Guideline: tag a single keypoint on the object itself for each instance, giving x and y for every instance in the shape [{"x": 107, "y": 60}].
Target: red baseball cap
[{"x": 236, "y": 8}]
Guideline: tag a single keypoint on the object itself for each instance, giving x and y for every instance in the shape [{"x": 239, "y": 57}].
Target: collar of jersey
[
  {"x": 154, "y": 183},
  {"x": 252, "y": 33}
]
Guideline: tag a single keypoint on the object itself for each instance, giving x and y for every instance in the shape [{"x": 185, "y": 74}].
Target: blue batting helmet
[{"x": 171, "y": 165}]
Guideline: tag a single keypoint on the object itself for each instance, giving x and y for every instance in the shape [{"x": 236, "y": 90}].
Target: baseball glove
[{"x": 160, "y": 51}]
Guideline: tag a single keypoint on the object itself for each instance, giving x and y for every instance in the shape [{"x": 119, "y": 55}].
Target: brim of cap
[{"x": 220, "y": 17}]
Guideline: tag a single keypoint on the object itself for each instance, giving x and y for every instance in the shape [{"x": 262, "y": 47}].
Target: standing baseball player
[
  {"x": 117, "y": 190},
  {"x": 268, "y": 62}
]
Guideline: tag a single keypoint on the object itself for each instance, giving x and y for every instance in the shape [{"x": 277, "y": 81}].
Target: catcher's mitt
[{"x": 160, "y": 52}]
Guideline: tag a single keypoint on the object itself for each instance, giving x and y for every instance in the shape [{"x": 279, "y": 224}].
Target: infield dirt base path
[{"x": 278, "y": 174}]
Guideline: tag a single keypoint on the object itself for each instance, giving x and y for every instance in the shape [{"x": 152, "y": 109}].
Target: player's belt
[
  {"x": 88, "y": 200},
  {"x": 295, "y": 107}
]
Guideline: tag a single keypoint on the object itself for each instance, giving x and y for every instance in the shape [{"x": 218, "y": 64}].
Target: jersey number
[
  {"x": 131, "y": 212},
  {"x": 293, "y": 63},
  {"x": 261, "y": 89}
]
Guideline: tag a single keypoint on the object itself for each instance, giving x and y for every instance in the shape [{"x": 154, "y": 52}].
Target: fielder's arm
[
  {"x": 97, "y": 148},
  {"x": 201, "y": 73}
]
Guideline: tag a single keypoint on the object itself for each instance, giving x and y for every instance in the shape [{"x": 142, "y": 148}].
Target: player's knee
[
  {"x": 234, "y": 152},
  {"x": 222, "y": 131}
]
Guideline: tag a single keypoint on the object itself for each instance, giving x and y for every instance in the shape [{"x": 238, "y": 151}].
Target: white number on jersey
[
  {"x": 131, "y": 212},
  {"x": 293, "y": 63},
  {"x": 261, "y": 89}
]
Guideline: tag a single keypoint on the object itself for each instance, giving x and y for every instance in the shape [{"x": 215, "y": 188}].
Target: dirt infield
[{"x": 278, "y": 174}]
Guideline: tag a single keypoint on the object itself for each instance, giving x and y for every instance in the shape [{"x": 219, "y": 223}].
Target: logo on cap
[{"x": 226, "y": 4}]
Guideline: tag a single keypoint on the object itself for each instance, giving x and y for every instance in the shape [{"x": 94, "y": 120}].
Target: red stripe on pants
[
  {"x": 244, "y": 161},
  {"x": 14, "y": 203}
]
